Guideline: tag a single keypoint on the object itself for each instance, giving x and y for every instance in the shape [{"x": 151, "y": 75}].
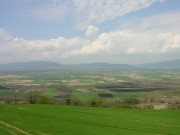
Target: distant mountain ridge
[
  {"x": 171, "y": 64},
  {"x": 103, "y": 65},
  {"x": 49, "y": 65},
  {"x": 33, "y": 65}
]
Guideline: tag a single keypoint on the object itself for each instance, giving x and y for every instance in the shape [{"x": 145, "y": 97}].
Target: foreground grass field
[{"x": 69, "y": 120}]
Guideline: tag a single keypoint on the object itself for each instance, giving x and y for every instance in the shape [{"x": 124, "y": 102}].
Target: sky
[{"x": 89, "y": 31}]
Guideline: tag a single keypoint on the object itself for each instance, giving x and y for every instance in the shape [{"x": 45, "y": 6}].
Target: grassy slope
[{"x": 67, "y": 120}]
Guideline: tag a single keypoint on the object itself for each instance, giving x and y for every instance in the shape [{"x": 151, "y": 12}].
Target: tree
[
  {"x": 43, "y": 99},
  {"x": 132, "y": 101},
  {"x": 68, "y": 100},
  {"x": 76, "y": 102},
  {"x": 33, "y": 97},
  {"x": 97, "y": 102}
]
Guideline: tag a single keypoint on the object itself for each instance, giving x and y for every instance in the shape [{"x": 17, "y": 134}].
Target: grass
[{"x": 69, "y": 120}]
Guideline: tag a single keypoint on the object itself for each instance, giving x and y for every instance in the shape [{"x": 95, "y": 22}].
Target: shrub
[
  {"x": 114, "y": 103},
  {"x": 76, "y": 101},
  {"x": 131, "y": 101},
  {"x": 44, "y": 99},
  {"x": 8, "y": 100},
  {"x": 97, "y": 102},
  {"x": 126, "y": 106}
]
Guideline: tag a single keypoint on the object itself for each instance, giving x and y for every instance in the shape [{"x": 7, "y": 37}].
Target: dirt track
[{"x": 15, "y": 128}]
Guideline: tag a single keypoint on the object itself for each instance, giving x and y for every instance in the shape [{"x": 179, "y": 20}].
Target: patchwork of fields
[
  {"x": 68, "y": 120},
  {"x": 85, "y": 85},
  {"x": 128, "y": 89}
]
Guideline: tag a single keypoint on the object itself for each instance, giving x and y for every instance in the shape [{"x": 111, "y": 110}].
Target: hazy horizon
[{"x": 82, "y": 31}]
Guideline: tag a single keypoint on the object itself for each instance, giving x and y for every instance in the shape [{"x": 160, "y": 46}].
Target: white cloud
[
  {"x": 164, "y": 22},
  {"x": 100, "y": 45},
  {"x": 86, "y": 12},
  {"x": 161, "y": 32},
  {"x": 152, "y": 42},
  {"x": 99, "y": 11},
  {"x": 4, "y": 36},
  {"x": 91, "y": 31},
  {"x": 147, "y": 36},
  {"x": 130, "y": 42},
  {"x": 52, "y": 11}
]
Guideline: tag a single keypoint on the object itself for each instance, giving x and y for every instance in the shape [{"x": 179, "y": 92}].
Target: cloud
[
  {"x": 130, "y": 42},
  {"x": 86, "y": 12},
  {"x": 4, "y": 36},
  {"x": 91, "y": 31},
  {"x": 98, "y": 46},
  {"x": 164, "y": 22},
  {"x": 146, "y": 36},
  {"x": 153, "y": 43},
  {"x": 96, "y": 12},
  {"x": 21, "y": 49},
  {"x": 51, "y": 11},
  {"x": 161, "y": 32}
]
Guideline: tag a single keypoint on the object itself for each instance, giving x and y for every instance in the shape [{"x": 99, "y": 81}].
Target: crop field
[
  {"x": 69, "y": 120},
  {"x": 111, "y": 85}
]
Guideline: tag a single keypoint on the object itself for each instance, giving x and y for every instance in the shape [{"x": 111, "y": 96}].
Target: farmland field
[
  {"x": 111, "y": 85},
  {"x": 69, "y": 120}
]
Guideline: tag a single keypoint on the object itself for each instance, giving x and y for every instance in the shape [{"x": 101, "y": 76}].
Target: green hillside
[{"x": 69, "y": 120}]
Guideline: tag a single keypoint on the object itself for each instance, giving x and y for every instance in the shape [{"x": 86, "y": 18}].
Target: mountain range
[
  {"x": 49, "y": 65},
  {"x": 171, "y": 64}
]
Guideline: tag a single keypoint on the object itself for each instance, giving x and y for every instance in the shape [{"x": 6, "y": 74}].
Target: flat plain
[{"x": 87, "y": 84}]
